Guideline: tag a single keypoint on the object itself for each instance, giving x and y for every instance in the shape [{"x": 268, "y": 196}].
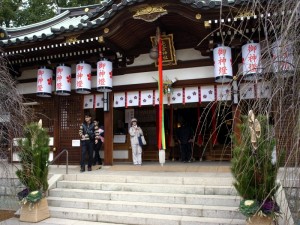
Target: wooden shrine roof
[{"x": 116, "y": 29}]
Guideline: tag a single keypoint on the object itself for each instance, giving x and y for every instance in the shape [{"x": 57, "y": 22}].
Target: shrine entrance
[{"x": 211, "y": 133}]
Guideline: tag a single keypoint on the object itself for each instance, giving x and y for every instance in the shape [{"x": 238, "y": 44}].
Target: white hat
[{"x": 133, "y": 120}]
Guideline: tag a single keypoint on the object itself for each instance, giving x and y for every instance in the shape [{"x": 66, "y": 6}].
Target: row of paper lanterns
[
  {"x": 251, "y": 61},
  {"x": 83, "y": 79}
]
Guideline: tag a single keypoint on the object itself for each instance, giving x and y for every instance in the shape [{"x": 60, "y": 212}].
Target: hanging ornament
[
  {"x": 44, "y": 82},
  {"x": 63, "y": 80},
  {"x": 104, "y": 76},
  {"x": 83, "y": 78},
  {"x": 251, "y": 56},
  {"x": 283, "y": 59},
  {"x": 222, "y": 64}
]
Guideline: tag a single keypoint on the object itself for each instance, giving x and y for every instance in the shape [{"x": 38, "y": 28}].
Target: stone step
[
  {"x": 134, "y": 218},
  {"x": 171, "y": 198},
  {"x": 147, "y": 207},
  {"x": 55, "y": 221},
  {"x": 149, "y": 188},
  {"x": 176, "y": 199},
  {"x": 213, "y": 179}
]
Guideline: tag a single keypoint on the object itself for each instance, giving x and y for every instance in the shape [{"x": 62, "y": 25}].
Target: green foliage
[
  {"x": 253, "y": 170},
  {"x": 34, "y": 155},
  {"x": 8, "y": 9},
  {"x": 33, "y": 11},
  {"x": 76, "y": 3}
]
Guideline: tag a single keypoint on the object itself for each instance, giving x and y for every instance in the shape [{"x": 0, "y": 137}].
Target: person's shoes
[
  {"x": 89, "y": 168},
  {"x": 190, "y": 161},
  {"x": 184, "y": 161},
  {"x": 82, "y": 170}
]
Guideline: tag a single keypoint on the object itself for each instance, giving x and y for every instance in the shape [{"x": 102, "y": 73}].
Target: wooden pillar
[{"x": 108, "y": 129}]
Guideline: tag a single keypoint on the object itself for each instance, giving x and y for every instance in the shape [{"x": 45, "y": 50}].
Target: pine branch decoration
[{"x": 34, "y": 155}]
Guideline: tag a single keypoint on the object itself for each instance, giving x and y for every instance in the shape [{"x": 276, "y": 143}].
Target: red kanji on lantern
[
  {"x": 79, "y": 83},
  {"x": 251, "y": 59},
  {"x": 83, "y": 78},
  {"x": 252, "y": 48},
  {"x": 222, "y": 60},
  {"x": 104, "y": 75},
  {"x": 79, "y": 67},
  {"x": 222, "y": 70},
  {"x": 40, "y": 88},
  {"x": 44, "y": 82},
  {"x": 221, "y": 51},
  {"x": 59, "y": 78},
  {"x": 101, "y": 81},
  {"x": 222, "y": 64},
  {"x": 63, "y": 80},
  {"x": 58, "y": 85}
]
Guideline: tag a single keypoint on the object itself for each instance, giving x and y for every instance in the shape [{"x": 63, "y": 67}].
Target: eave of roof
[
  {"x": 50, "y": 28},
  {"x": 70, "y": 21}
]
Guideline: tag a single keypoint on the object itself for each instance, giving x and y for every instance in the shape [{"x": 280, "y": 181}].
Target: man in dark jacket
[
  {"x": 185, "y": 138},
  {"x": 87, "y": 134}
]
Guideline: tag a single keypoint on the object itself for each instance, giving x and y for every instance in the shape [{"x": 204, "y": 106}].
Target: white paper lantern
[
  {"x": 251, "y": 59},
  {"x": 222, "y": 64},
  {"x": 44, "y": 82},
  {"x": 83, "y": 78},
  {"x": 63, "y": 80},
  {"x": 282, "y": 58},
  {"x": 104, "y": 76}
]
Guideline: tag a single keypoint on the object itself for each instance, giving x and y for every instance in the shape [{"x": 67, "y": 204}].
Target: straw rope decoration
[{"x": 255, "y": 129}]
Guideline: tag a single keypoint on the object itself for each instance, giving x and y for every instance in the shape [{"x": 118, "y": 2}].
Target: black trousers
[
  {"x": 97, "y": 157},
  {"x": 87, "y": 147},
  {"x": 186, "y": 151}
]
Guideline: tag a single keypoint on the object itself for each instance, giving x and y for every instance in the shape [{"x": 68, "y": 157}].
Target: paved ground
[
  {"x": 8, "y": 170},
  {"x": 152, "y": 167}
]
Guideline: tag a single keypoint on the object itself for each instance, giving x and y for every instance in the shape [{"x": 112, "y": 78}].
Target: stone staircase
[{"x": 141, "y": 199}]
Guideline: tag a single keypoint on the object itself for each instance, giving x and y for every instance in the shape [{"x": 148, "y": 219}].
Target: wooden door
[{"x": 70, "y": 116}]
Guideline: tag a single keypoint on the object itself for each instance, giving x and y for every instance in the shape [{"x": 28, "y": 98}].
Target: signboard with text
[{"x": 168, "y": 51}]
